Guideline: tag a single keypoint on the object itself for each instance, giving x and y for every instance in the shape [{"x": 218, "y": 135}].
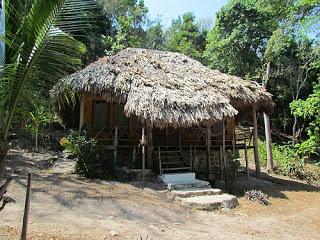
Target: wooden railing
[
  {"x": 117, "y": 135},
  {"x": 172, "y": 159},
  {"x": 119, "y": 138},
  {"x": 128, "y": 138}
]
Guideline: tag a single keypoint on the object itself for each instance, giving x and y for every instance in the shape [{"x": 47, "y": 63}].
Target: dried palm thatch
[{"x": 165, "y": 88}]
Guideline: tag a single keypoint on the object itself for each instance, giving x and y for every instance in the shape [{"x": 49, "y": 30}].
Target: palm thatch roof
[{"x": 166, "y": 88}]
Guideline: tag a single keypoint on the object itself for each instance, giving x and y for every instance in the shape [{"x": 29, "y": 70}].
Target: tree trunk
[
  {"x": 36, "y": 141},
  {"x": 3, "y": 153},
  {"x": 255, "y": 143},
  {"x": 266, "y": 119},
  {"x": 294, "y": 130},
  {"x": 268, "y": 142}
]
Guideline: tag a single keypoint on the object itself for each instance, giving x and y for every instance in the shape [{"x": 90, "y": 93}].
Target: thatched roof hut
[{"x": 166, "y": 88}]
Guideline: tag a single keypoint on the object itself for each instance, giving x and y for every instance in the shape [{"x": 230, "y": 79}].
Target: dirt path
[{"x": 65, "y": 206}]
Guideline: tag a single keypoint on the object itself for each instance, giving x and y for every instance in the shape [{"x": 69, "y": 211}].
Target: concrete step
[
  {"x": 188, "y": 184},
  {"x": 193, "y": 192},
  {"x": 177, "y": 177},
  {"x": 210, "y": 202}
]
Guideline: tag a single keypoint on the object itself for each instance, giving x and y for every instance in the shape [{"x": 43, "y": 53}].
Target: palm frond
[{"x": 39, "y": 48}]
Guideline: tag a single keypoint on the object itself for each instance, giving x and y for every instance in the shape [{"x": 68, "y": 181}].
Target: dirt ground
[{"x": 66, "y": 206}]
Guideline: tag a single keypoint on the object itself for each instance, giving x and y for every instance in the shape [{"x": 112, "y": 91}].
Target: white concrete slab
[{"x": 177, "y": 177}]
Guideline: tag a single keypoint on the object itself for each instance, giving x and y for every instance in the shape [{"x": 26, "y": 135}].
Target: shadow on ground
[
  {"x": 77, "y": 187},
  {"x": 273, "y": 185}
]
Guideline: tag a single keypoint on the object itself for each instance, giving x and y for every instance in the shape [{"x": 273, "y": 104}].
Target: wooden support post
[
  {"x": 233, "y": 144},
  {"x": 208, "y": 148},
  {"x": 246, "y": 159},
  {"x": 159, "y": 156},
  {"x": 270, "y": 165},
  {"x": 221, "y": 162},
  {"x": 224, "y": 154},
  {"x": 134, "y": 157},
  {"x": 26, "y": 211},
  {"x": 166, "y": 137},
  {"x": 81, "y": 117},
  {"x": 255, "y": 142},
  {"x": 111, "y": 112},
  {"x": 150, "y": 146},
  {"x": 180, "y": 141},
  {"x": 115, "y": 144},
  {"x": 88, "y": 110},
  {"x": 143, "y": 139},
  {"x": 190, "y": 158}
]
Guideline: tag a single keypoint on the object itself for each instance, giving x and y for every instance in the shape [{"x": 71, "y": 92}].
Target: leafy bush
[
  {"x": 286, "y": 158},
  {"x": 310, "y": 146},
  {"x": 309, "y": 110},
  {"x": 289, "y": 161},
  {"x": 233, "y": 167},
  {"x": 92, "y": 161},
  {"x": 36, "y": 124}
]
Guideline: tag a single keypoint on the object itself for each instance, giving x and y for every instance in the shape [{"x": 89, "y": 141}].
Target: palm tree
[{"x": 40, "y": 48}]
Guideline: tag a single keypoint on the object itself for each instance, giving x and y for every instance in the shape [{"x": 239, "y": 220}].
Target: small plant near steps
[{"x": 257, "y": 196}]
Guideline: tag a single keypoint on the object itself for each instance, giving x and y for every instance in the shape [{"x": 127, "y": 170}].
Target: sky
[{"x": 170, "y": 9}]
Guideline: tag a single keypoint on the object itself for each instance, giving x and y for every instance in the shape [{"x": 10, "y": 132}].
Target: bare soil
[{"x": 66, "y": 206}]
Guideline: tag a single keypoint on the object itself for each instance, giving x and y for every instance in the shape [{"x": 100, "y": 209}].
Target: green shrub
[
  {"x": 92, "y": 161},
  {"x": 262, "y": 150},
  {"x": 285, "y": 157},
  {"x": 309, "y": 110},
  {"x": 287, "y": 160},
  {"x": 232, "y": 172},
  {"x": 308, "y": 147}
]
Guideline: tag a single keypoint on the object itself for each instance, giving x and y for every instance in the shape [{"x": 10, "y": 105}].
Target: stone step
[
  {"x": 193, "y": 192},
  {"x": 210, "y": 202}
]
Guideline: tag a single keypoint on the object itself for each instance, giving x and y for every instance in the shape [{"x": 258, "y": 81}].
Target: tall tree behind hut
[
  {"x": 184, "y": 36},
  {"x": 130, "y": 26},
  {"x": 238, "y": 45}
]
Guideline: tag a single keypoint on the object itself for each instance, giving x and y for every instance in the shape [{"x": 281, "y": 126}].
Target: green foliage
[
  {"x": 305, "y": 17},
  {"x": 38, "y": 120},
  {"x": 184, "y": 36},
  {"x": 155, "y": 37},
  {"x": 129, "y": 20},
  {"x": 233, "y": 167},
  {"x": 290, "y": 161},
  {"x": 286, "y": 158},
  {"x": 92, "y": 161},
  {"x": 79, "y": 144},
  {"x": 292, "y": 61},
  {"x": 96, "y": 24},
  {"x": 309, "y": 109},
  {"x": 40, "y": 49},
  {"x": 237, "y": 40},
  {"x": 248, "y": 34}
]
